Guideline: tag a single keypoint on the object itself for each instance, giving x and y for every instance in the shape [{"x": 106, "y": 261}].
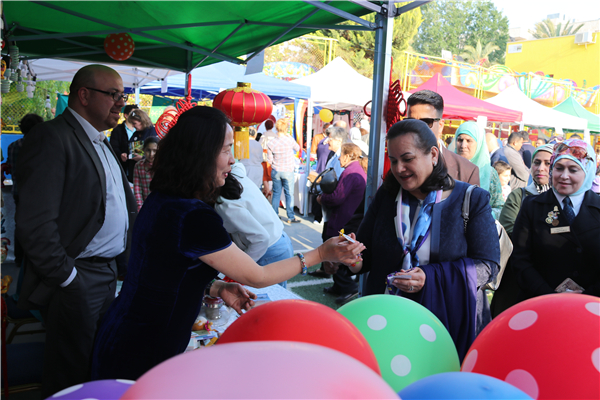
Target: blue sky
[{"x": 525, "y": 13}]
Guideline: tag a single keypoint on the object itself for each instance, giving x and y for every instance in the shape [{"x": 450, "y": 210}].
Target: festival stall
[
  {"x": 208, "y": 81},
  {"x": 336, "y": 86},
  {"x": 535, "y": 114},
  {"x": 572, "y": 107},
  {"x": 459, "y": 105}
]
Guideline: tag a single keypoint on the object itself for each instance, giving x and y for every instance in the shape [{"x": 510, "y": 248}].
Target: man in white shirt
[{"x": 75, "y": 213}]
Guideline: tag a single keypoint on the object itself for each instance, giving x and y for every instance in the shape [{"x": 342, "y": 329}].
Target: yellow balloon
[{"x": 326, "y": 115}]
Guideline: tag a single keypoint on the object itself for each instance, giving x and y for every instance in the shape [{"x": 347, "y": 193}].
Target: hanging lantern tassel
[
  {"x": 241, "y": 142},
  {"x": 245, "y": 107}
]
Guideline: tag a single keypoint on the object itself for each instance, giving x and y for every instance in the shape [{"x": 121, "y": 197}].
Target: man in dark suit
[
  {"x": 428, "y": 106},
  {"x": 496, "y": 152},
  {"x": 527, "y": 149},
  {"x": 74, "y": 216}
]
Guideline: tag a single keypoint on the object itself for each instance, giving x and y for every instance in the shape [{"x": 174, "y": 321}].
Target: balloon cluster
[{"x": 377, "y": 346}]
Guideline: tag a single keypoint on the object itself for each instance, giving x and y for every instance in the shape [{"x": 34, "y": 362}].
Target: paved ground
[{"x": 307, "y": 236}]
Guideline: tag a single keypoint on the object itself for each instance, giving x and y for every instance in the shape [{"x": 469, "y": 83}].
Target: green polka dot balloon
[{"x": 409, "y": 342}]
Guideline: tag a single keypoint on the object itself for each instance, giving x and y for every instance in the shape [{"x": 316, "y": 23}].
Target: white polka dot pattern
[
  {"x": 523, "y": 320},
  {"x": 427, "y": 332},
  {"x": 401, "y": 365},
  {"x": 377, "y": 322},
  {"x": 68, "y": 390},
  {"x": 593, "y": 307},
  {"x": 470, "y": 361},
  {"x": 523, "y": 380},
  {"x": 596, "y": 358}
]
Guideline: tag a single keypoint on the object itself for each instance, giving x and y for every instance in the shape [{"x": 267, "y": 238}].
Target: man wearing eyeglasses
[
  {"x": 428, "y": 106},
  {"x": 74, "y": 216}
]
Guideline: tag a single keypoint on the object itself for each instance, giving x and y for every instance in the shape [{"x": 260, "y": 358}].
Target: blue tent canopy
[{"x": 208, "y": 81}]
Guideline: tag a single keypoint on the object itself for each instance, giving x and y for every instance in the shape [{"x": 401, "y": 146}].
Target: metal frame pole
[{"x": 381, "y": 82}]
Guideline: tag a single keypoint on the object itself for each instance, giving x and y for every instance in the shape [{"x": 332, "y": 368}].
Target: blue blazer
[
  {"x": 384, "y": 253},
  {"x": 459, "y": 264}
]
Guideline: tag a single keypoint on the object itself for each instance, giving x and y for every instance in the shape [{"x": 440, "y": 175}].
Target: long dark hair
[
  {"x": 424, "y": 141},
  {"x": 185, "y": 164},
  {"x": 231, "y": 190}
]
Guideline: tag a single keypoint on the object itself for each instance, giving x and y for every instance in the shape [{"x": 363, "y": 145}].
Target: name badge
[{"x": 561, "y": 229}]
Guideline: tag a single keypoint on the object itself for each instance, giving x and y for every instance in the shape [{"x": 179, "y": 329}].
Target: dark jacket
[
  {"x": 343, "y": 202},
  {"x": 459, "y": 264},
  {"x": 498, "y": 155},
  {"x": 542, "y": 260},
  {"x": 460, "y": 168},
  {"x": 61, "y": 204}
]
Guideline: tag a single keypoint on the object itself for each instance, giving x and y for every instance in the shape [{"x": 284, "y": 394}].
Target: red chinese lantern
[
  {"x": 245, "y": 106},
  {"x": 119, "y": 46}
]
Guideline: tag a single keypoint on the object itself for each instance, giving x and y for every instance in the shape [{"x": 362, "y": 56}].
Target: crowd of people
[{"x": 169, "y": 215}]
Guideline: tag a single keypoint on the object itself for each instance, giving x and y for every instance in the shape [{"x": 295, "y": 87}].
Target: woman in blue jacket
[{"x": 414, "y": 229}]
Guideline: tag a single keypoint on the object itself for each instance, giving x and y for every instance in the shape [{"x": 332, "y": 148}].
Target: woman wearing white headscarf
[{"x": 557, "y": 233}]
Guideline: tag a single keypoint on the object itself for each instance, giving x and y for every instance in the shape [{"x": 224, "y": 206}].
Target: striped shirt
[{"x": 280, "y": 153}]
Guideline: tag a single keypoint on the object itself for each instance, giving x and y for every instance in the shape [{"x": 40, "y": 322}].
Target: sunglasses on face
[
  {"x": 428, "y": 121},
  {"x": 577, "y": 149}
]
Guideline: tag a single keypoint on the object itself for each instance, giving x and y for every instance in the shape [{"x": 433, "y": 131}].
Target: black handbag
[{"x": 326, "y": 182}]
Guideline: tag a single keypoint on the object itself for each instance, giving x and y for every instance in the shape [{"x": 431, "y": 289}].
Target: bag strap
[{"x": 467, "y": 205}]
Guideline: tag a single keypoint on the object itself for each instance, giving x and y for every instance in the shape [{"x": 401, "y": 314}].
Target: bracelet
[
  {"x": 303, "y": 262},
  {"x": 209, "y": 286}
]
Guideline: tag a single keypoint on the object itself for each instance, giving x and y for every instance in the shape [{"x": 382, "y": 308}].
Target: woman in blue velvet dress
[
  {"x": 179, "y": 246},
  {"x": 414, "y": 228}
]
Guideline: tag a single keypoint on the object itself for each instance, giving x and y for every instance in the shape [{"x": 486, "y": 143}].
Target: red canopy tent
[{"x": 459, "y": 105}]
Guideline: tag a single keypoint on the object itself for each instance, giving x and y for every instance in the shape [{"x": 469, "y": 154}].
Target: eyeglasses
[
  {"x": 428, "y": 121},
  {"x": 577, "y": 149},
  {"x": 116, "y": 96}
]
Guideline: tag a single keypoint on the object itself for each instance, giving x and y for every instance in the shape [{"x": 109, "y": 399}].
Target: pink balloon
[
  {"x": 547, "y": 346},
  {"x": 260, "y": 370}
]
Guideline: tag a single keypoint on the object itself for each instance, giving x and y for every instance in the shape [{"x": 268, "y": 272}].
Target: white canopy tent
[
  {"x": 535, "y": 114},
  {"x": 338, "y": 86},
  {"x": 46, "y": 69}
]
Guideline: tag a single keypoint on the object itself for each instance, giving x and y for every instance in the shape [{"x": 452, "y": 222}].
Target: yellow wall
[{"x": 558, "y": 56}]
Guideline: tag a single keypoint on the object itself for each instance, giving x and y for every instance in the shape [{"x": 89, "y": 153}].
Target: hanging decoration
[
  {"x": 245, "y": 107},
  {"x": 169, "y": 118},
  {"x": 119, "y": 46}
]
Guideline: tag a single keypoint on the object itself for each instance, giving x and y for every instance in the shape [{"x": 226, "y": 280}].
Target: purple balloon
[{"x": 108, "y": 389}]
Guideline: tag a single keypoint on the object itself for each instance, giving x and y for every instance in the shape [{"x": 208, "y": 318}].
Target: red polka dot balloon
[
  {"x": 548, "y": 346},
  {"x": 119, "y": 46}
]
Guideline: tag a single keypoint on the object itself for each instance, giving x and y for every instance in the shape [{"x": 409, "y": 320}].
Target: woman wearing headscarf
[
  {"x": 471, "y": 144},
  {"x": 540, "y": 173},
  {"x": 509, "y": 293},
  {"x": 557, "y": 233},
  {"x": 414, "y": 230}
]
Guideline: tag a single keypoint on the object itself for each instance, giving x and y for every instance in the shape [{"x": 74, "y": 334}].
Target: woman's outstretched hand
[
  {"x": 237, "y": 297},
  {"x": 340, "y": 250}
]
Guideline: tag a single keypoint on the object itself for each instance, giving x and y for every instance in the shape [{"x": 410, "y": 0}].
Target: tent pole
[
  {"x": 309, "y": 121},
  {"x": 381, "y": 83}
]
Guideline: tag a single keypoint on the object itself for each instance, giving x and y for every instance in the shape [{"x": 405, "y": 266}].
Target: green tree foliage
[
  {"x": 547, "y": 29},
  {"x": 479, "y": 54},
  {"x": 357, "y": 48},
  {"x": 454, "y": 24}
]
